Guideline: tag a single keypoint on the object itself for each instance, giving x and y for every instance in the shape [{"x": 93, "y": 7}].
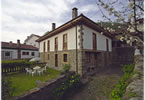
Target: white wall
[
  {"x": 29, "y": 56},
  {"x": 32, "y": 41},
  {"x": 14, "y": 52},
  {"x": 101, "y": 40},
  {"x": 71, "y": 40}
]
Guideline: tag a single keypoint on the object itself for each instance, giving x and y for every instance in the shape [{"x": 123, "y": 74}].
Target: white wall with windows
[
  {"x": 29, "y": 54},
  {"x": 100, "y": 40},
  {"x": 71, "y": 40},
  {"x": 9, "y": 54}
]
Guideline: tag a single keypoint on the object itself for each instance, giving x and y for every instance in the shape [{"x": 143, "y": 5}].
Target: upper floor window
[
  {"x": 94, "y": 42},
  {"x": 56, "y": 44},
  {"x": 48, "y": 46},
  {"x": 7, "y": 54},
  {"x": 44, "y": 47},
  {"x": 65, "y": 42},
  {"x": 107, "y": 45}
]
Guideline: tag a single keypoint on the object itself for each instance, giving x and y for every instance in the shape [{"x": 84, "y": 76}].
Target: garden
[{"x": 15, "y": 80}]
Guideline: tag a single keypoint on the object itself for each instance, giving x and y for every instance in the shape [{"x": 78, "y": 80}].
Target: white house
[
  {"x": 11, "y": 50},
  {"x": 80, "y": 42},
  {"x": 31, "y": 40}
]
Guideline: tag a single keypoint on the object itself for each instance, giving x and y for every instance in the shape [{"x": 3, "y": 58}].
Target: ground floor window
[
  {"x": 64, "y": 57},
  {"x": 25, "y": 53},
  {"x": 48, "y": 56},
  {"x": 7, "y": 54},
  {"x": 33, "y": 53}
]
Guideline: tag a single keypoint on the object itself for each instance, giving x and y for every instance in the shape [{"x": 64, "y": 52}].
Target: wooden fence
[{"x": 18, "y": 68}]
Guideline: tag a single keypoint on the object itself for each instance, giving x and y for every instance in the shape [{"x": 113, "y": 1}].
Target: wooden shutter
[{"x": 94, "y": 41}]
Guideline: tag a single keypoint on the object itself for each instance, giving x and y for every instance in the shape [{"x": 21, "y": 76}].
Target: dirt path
[{"x": 100, "y": 85}]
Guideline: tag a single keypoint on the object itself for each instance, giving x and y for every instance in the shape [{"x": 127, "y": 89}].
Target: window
[
  {"x": 44, "y": 47},
  {"x": 7, "y": 54},
  {"x": 107, "y": 45},
  {"x": 48, "y": 56},
  {"x": 64, "y": 57},
  {"x": 48, "y": 46},
  {"x": 94, "y": 41},
  {"x": 33, "y": 53},
  {"x": 65, "y": 42},
  {"x": 88, "y": 56},
  {"x": 56, "y": 44},
  {"x": 25, "y": 53}
]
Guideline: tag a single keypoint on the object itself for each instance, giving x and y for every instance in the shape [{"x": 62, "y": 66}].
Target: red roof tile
[{"x": 14, "y": 45}]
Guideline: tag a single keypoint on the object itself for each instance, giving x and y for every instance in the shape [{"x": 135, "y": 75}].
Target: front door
[{"x": 56, "y": 60}]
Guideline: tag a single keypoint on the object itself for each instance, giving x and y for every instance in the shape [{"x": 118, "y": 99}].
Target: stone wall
[
  {"x": 51, "y": 61},
  {"x": 123, "y": 55},
  {"x": 134, "y": 90},
  {"x": 43, "y": 90}
]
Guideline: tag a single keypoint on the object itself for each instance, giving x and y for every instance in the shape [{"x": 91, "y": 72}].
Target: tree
[{"x": 131, "y": 13}]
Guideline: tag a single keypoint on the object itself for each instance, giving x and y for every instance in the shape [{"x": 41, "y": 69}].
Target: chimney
[
  {"x": 10, "y": 42},
  {"x": 53, "y": 26},
  {"x": 74, "y": 13},
  {"x": 18, "y": 42}
]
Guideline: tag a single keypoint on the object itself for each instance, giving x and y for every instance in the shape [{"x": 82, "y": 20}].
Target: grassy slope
[{"x": 22, "y": 82}]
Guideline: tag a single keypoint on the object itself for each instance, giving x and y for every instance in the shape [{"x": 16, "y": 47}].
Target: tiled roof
[
  {"x": 15, "y": 46},
  {"x": 79, "y": 19}
]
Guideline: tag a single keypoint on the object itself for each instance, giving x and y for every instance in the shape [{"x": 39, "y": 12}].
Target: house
[
  {"x": 80, "y": 42},
  {"x": 17, "y": 50},
  {"x": 31, "y": 40}
]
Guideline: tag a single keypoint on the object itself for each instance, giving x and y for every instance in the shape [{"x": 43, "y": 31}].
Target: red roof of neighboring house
[{"x": 15, "y": 46}]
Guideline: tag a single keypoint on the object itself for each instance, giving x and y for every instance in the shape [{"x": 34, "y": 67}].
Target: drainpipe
[{"x": 76, "y": 51}]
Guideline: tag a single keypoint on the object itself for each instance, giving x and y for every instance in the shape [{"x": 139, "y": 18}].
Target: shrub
[
  {"x": 120, "y": 88},
  {"x": 6, "y": 88},
  {"x": 66, "y": 68},
  {"x": 71, "y": 82}
]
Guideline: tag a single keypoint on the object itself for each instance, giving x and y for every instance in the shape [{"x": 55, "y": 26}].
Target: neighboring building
[
  {"x": 11, "y": 50},
  {"x": 31, "y": 40},
  {"x": 79, "y": 43}
]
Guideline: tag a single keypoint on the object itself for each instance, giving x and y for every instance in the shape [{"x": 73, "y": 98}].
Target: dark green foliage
[
  {"x": 7, "y": 91},
  {"x": 115, "y": 26},
  {"x": 17, "y": 63},
  {"x": 66, "y": 68},
  {"x": 120, "y": 89},
  {"x": 71, "y": 82}
]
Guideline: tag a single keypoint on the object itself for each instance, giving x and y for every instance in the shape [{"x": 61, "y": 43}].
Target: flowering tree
[{"x": 129, "y": 13}]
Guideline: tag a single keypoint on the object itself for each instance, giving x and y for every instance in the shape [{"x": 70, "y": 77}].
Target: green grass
[{"x": 22, "y": 82}]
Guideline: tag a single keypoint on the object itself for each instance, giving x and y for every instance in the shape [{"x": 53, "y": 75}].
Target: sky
[{"x": 21, "y": 18}]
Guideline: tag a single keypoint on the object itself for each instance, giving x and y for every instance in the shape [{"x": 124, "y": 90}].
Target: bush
[
  {"x": 14, "y": 63},
  {"x": 66, "y": 68},
  {"x": 120, "y": 88},
  {"x": 71, "y": 82},
  {"x": 6, "y": 88}
]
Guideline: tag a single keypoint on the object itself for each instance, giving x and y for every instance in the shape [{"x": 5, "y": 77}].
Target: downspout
[{"x": 76, "y": 51}]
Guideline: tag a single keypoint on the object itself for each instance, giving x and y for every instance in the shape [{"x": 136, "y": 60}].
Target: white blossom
[
  {"x": 121, "y": 39},
  {"x": 101, "y": 33},
  {"x": 119, "y": 26},
  {"x": 131, "y": 4},
  {"x": 128, "y": 41}
]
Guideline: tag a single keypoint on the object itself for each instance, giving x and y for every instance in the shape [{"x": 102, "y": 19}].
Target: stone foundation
[{"x": 97, "y": 60}]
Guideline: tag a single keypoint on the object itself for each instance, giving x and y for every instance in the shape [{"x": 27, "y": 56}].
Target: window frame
[
  {"x": 94, "y": 35},
  {"x": 65, "y": 42}
]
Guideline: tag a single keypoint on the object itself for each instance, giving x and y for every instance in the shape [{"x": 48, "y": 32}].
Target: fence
[
  {"x": 123, "y": 55},
  {"x": 7, "y": 68}
]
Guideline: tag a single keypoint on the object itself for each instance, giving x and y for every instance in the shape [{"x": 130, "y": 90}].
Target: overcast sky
[{"x": 21, "y": 18}]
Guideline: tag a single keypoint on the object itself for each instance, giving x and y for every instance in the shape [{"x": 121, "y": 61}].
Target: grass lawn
[{"x": 22, "y": 82}]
